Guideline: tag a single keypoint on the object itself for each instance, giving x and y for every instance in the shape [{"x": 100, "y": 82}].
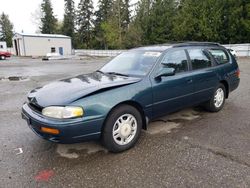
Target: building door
[
  {"x": 61, "y": 50},
  {"x": 16, "y": 47}
]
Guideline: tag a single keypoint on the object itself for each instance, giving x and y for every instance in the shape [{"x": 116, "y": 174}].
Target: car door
[
  {"x": 172, "y": 92},
  {"x": 205, "y": 77}
]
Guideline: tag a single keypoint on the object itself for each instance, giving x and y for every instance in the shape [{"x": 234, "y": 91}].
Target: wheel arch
[
  {"x": 135, "y": 105},
  {"x": 226, "y": 85}
]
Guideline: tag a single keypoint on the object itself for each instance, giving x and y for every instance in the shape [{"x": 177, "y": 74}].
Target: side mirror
[{"x": 164, "y": 72}]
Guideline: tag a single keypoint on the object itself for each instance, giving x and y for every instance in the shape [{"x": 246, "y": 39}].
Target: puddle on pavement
[
  {"x": 173, "y": 121},
  {"x": 187, "y": 114},
  {"x": 162, "y": 126},
  {"x": 68, "y": 150},
  {"x": 14, "y": 78},
  {"x": 159, "y": 127}
]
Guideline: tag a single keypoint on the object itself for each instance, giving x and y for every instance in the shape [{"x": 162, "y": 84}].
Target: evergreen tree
[
  {"x": 116, "y": 27},
  {"x": 160, "y": 23},
  {"x": 154, "y": 19},
  {"x": 103, "y": 12},
  {"x": 48, "y": 20},
  {"x": 141, "y": 21},
  {"x": 133, "y": 37},
  {"x": 224, "y": 21},
  {"x": 68, "y": 27},
  {"x": 85, "y": 23},
  {"x": 125, "y": 14},
  {"x": 186, "y": 20},
  {"x": 6, "y": 29},
  {"x": 102, "y": 15},
  {"x": 245, "y": 22},
  {"x": 236, "y": 24}
]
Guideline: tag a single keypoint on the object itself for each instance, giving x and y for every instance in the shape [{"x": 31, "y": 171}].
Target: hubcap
[
  {"x": 219, "y": 98},
  {"x": 124, "y": 129}
]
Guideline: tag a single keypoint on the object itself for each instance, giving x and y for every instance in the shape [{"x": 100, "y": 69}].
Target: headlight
[{"x": 63, "y": 112}]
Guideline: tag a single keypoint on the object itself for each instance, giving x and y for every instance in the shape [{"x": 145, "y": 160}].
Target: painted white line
[{"x": 20, "y": 151}]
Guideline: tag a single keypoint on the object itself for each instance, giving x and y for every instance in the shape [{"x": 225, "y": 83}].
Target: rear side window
[
  {"x": 199, "y": 59},
  {"x": 219, "y": 55},
  {"x": 177, "y": 60}
]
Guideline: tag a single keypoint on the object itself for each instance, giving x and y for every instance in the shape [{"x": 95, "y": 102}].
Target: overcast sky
[{"x": 22, "y": 11}]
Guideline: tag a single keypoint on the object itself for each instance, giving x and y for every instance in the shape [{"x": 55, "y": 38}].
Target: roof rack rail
[{"x": 196, "y": 44}]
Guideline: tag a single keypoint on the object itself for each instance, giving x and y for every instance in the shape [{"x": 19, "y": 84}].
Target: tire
[
  {"x": 216, "y": 103},
  {"x": 119, "y": 135},
  {"x": 2, "y": 57}
]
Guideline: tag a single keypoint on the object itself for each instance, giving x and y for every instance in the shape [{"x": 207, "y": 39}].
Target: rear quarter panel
[{"x": 230, "y": 75}]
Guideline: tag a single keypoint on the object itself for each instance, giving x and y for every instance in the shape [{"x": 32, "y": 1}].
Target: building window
[
  {"x": 53, "y": 50},
  {"x": 1, "y": 46}
]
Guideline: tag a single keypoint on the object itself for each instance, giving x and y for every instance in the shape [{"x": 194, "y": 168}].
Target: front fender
[{"x": 100, "y": 104}]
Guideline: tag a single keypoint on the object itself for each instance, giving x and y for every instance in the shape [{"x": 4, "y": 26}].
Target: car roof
[
  {"x": 159, "y": 48},
  {"x": 163, "y": 47}
]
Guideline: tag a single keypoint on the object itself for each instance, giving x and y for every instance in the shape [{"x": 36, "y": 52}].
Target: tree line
[
  {"x": 6, "y": 29},
  {"x": 119, "y": 24}
]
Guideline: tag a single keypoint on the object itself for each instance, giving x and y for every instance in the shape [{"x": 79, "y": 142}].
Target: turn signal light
[
  {"x": 50, "y": 130},
  {"x": 238, "y": 73}
]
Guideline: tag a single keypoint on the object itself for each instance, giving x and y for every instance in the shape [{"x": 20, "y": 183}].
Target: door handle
[{"x": 189, "y": 81}]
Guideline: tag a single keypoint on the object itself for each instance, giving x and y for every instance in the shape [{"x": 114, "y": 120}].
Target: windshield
[{"x": 135, "y": 63}]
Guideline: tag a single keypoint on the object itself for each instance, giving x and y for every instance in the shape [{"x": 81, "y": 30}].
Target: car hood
[{"x": 66, "y": 91}]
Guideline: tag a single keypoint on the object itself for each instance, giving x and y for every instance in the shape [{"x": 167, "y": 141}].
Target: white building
[
  {"x": 3, "y": 46},
  {"x": 41, "y": 44}
]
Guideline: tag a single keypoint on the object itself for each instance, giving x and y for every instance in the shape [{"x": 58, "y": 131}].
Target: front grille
[{"x": 35, "y": 107}]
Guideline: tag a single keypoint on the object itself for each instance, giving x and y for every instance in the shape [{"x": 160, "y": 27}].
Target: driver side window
[{"x": 176, "y": 59}]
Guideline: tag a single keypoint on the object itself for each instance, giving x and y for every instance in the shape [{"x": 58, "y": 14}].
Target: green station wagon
[{"x": 114, "y": 103}]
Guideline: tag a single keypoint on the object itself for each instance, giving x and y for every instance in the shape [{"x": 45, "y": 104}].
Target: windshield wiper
[
  {"x": 99, "y": 71},
  {"x": 116, "y": 73}
]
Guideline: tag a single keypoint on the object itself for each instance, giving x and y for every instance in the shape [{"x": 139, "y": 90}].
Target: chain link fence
[
  {"x": 99, "y": 53},
  {"x": 242, "y": 50}
]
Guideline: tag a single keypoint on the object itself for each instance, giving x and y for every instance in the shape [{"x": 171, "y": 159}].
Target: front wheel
[
  {"x": 2, "y": 57},
  {"x": 216, "y": 103},
  {"x": 122, "y": 128}
]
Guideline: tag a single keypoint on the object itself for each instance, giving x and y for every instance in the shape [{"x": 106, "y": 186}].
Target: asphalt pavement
[{"x": 190, "y": 148}]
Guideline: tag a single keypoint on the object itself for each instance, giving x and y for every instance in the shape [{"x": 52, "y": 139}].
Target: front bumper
[{"x": 70, "y": 130}]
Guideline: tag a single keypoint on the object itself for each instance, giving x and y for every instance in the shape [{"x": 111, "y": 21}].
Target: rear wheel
[
  {"x": 122, "y": 128},
  {"x": 2, "y": 57},
  {"x": 216, "y": 103}
]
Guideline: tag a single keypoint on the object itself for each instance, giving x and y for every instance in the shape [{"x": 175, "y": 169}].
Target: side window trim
[
  {"x": 173, "y": 50},
  {"x": 190, "y": 68},
  {"x": 215, "y": 61}
]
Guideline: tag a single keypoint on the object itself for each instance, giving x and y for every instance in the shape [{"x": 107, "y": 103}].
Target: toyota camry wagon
[{"x": 115, "y": 102}]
